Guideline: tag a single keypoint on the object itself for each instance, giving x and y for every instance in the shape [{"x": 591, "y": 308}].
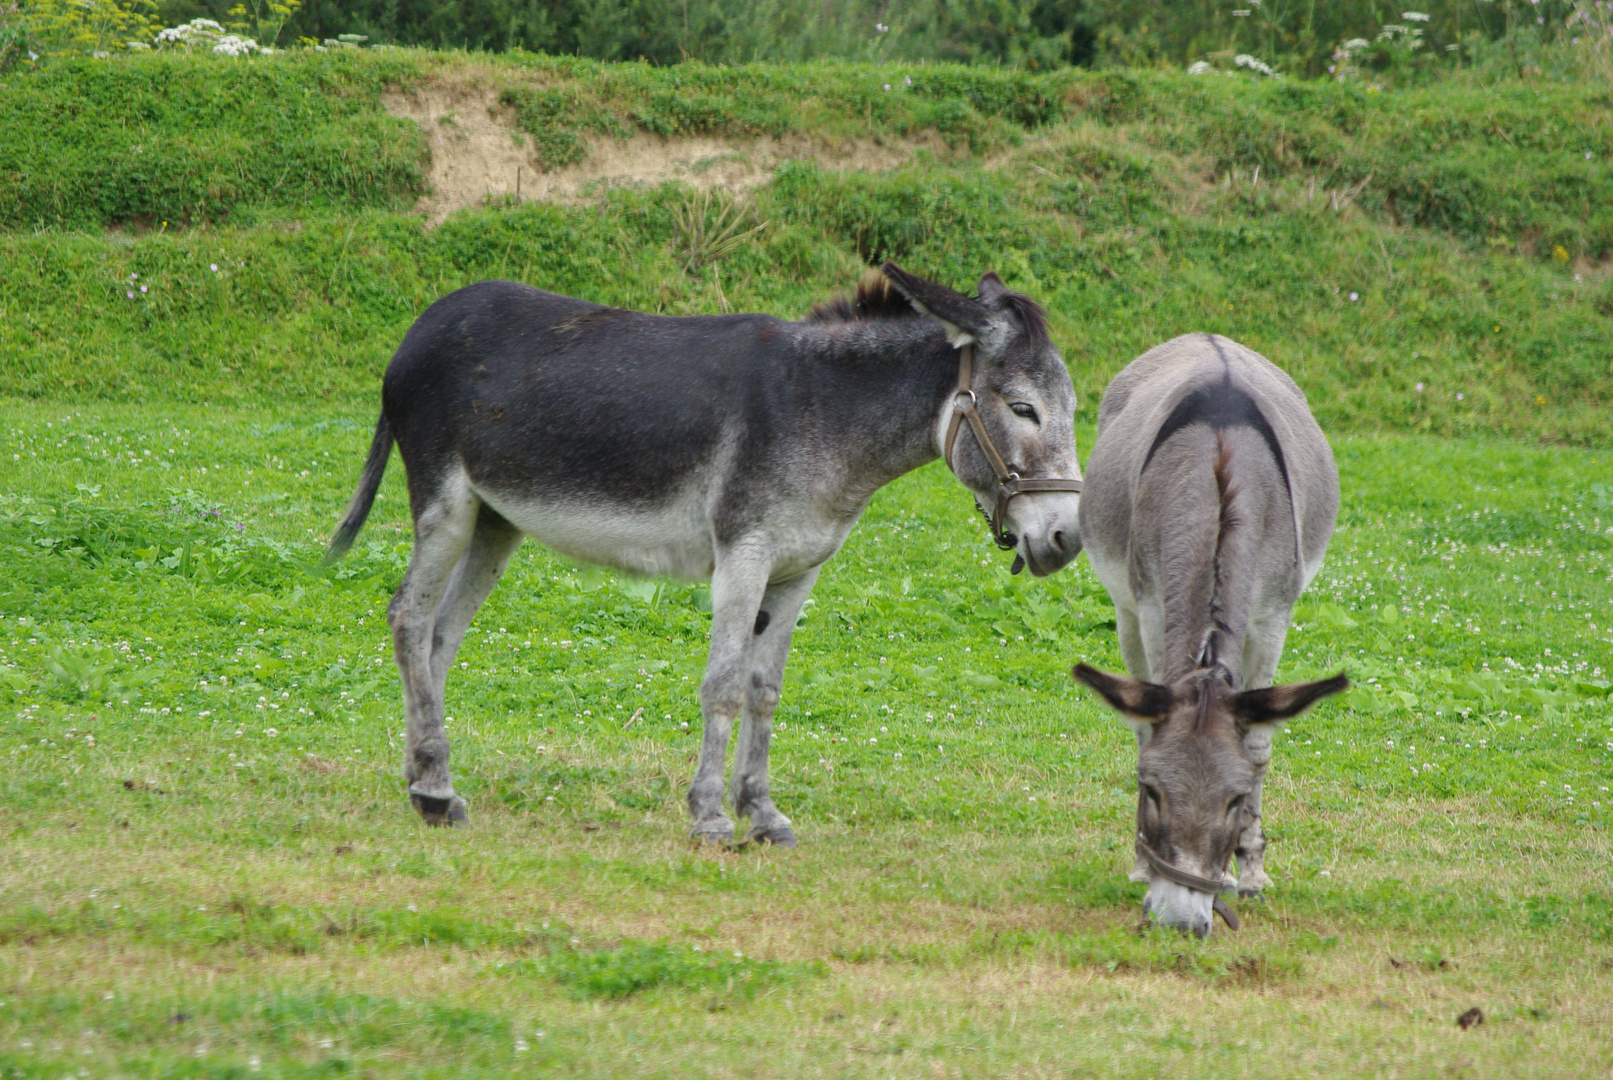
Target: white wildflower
[
  {"x": 230, "y": 45},
  {"x": 1198, "y": 67}
]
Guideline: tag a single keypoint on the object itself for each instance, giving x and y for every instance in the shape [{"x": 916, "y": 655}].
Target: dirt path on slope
[{"x": 478, "y": 154}]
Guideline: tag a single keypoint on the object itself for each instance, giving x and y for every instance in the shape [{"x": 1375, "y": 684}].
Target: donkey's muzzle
[{"x": 1051, "y": 542}]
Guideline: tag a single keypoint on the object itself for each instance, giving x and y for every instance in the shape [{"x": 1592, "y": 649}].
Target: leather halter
[
  {"x": 1191, "y": 881},
  {"x": 1010, "y": 486}
]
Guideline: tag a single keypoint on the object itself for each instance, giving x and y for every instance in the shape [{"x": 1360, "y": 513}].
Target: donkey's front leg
[
  {"x": 775, "y": 622},
  {"x": 1262, "y": 648},
  {"x": 1136, "y": 657},
  {"x": 737, "y": 587},
  {"x": 1251, "y": 849}
]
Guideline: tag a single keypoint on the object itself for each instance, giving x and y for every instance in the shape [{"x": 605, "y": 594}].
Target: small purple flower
[
  {"x": 1587, "y": 155},
  {"x": 1419, "y": 388},
  {"x": 1461, "y": 397},
  {"x": 240, "y": 527},
  {"x": 1539, "y": 19},
  {"x": 130, "y": 295},
  {"x": 213, "y": 267},
  {"x": 1354, "y": 297},
  {"x": 142, "y": 288},
  {"x": 1331, "y": 69},
  {"x": 908, "y": 80},
  {"x": 887, "y": 86}
]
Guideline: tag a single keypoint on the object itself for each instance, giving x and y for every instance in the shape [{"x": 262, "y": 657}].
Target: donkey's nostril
[{"x": 1058, "y": 541}]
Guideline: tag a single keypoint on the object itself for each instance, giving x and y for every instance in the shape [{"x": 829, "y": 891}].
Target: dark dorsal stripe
[{"x": 1221, "y": 405}]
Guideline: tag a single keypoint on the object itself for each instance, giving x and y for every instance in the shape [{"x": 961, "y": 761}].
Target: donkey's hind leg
[
  {"x": 491, "y": 546},
  {"x": 443, "y": 524},
  {"x": 478, "y": 570},
  {"x": 775, "y": 622}
]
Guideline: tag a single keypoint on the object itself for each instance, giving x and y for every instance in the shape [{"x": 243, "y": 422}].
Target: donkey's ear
[
  {"x": 991, "y": 288},
  {"x": 966, "y": 320},
  {"x": 1132, "y": 698},
  {"x": 1274, "y": 704}
]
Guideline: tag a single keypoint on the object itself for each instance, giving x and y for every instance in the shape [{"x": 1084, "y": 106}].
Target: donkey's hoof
[
  {"x": 433, "y": 811},
  {"x": 1252, "y": 883},
  {"x": 713, "y": 832},
  {"x": 776, "y": 835}
]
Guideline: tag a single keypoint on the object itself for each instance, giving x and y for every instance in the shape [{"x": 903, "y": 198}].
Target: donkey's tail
[{"x": 359, "y": 508}]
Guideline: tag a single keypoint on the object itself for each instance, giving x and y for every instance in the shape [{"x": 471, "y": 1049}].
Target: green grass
[{"x": 205, "y": 819}]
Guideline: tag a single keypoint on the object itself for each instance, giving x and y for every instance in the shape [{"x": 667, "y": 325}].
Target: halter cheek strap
[{"x": 1010, "y": 486}]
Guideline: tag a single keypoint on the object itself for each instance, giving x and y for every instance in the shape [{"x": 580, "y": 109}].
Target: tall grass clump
[{"x": 188, "y": 138}]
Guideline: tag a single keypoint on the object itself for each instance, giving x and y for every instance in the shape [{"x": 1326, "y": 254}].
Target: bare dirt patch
[{"x": 478, "y": 155}]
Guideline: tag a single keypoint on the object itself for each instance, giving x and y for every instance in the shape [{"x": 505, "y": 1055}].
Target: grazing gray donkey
[
  {"x": 1210, "y": 498},
  {"x": 735, "y": 448}
]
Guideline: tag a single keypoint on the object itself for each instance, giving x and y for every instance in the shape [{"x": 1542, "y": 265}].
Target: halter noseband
[
  {"x": 965, "y": 406},
  {"x": 1191, "y": 881}
]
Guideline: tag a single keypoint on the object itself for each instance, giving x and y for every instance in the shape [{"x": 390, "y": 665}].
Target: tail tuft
[{"x": 359, "y": 507}]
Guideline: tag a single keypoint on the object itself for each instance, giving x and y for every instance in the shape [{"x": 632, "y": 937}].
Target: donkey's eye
[
  {"x": 1235, "y": 805},
  {"x": 1022, "y": 409}
]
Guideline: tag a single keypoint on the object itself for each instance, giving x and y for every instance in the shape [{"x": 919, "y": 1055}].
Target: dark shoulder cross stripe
[{"x": 1221, "y": 405}]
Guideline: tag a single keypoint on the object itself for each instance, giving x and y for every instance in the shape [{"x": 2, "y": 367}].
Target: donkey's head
[
  {"x": 1024, "y": 398},
  {"x": 1199, "y": 743}
]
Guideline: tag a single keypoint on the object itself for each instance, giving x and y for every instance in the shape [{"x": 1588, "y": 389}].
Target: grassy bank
[{"x": 1421, "y": 261}]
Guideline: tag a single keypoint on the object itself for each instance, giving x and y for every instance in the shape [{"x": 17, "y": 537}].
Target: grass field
[{"x": 210, "y": 867}]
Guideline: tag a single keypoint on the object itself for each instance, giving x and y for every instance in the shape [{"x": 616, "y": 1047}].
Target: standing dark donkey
[
  {"x": 735, "y": 448},
  {"x": 1210, "y": 499}
]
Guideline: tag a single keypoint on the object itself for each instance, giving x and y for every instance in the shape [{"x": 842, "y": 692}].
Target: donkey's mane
[
  {"x": 1030, "y": 315},
  {"x": 875, "y": 298}
]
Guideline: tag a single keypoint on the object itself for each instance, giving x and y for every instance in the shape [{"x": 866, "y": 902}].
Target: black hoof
[
  {"x": 450, "y": 811},
  {"x": 778, "y": 836}
]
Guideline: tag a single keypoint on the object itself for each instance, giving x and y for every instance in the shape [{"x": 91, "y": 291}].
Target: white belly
[{"x": 673, "y": 540}]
